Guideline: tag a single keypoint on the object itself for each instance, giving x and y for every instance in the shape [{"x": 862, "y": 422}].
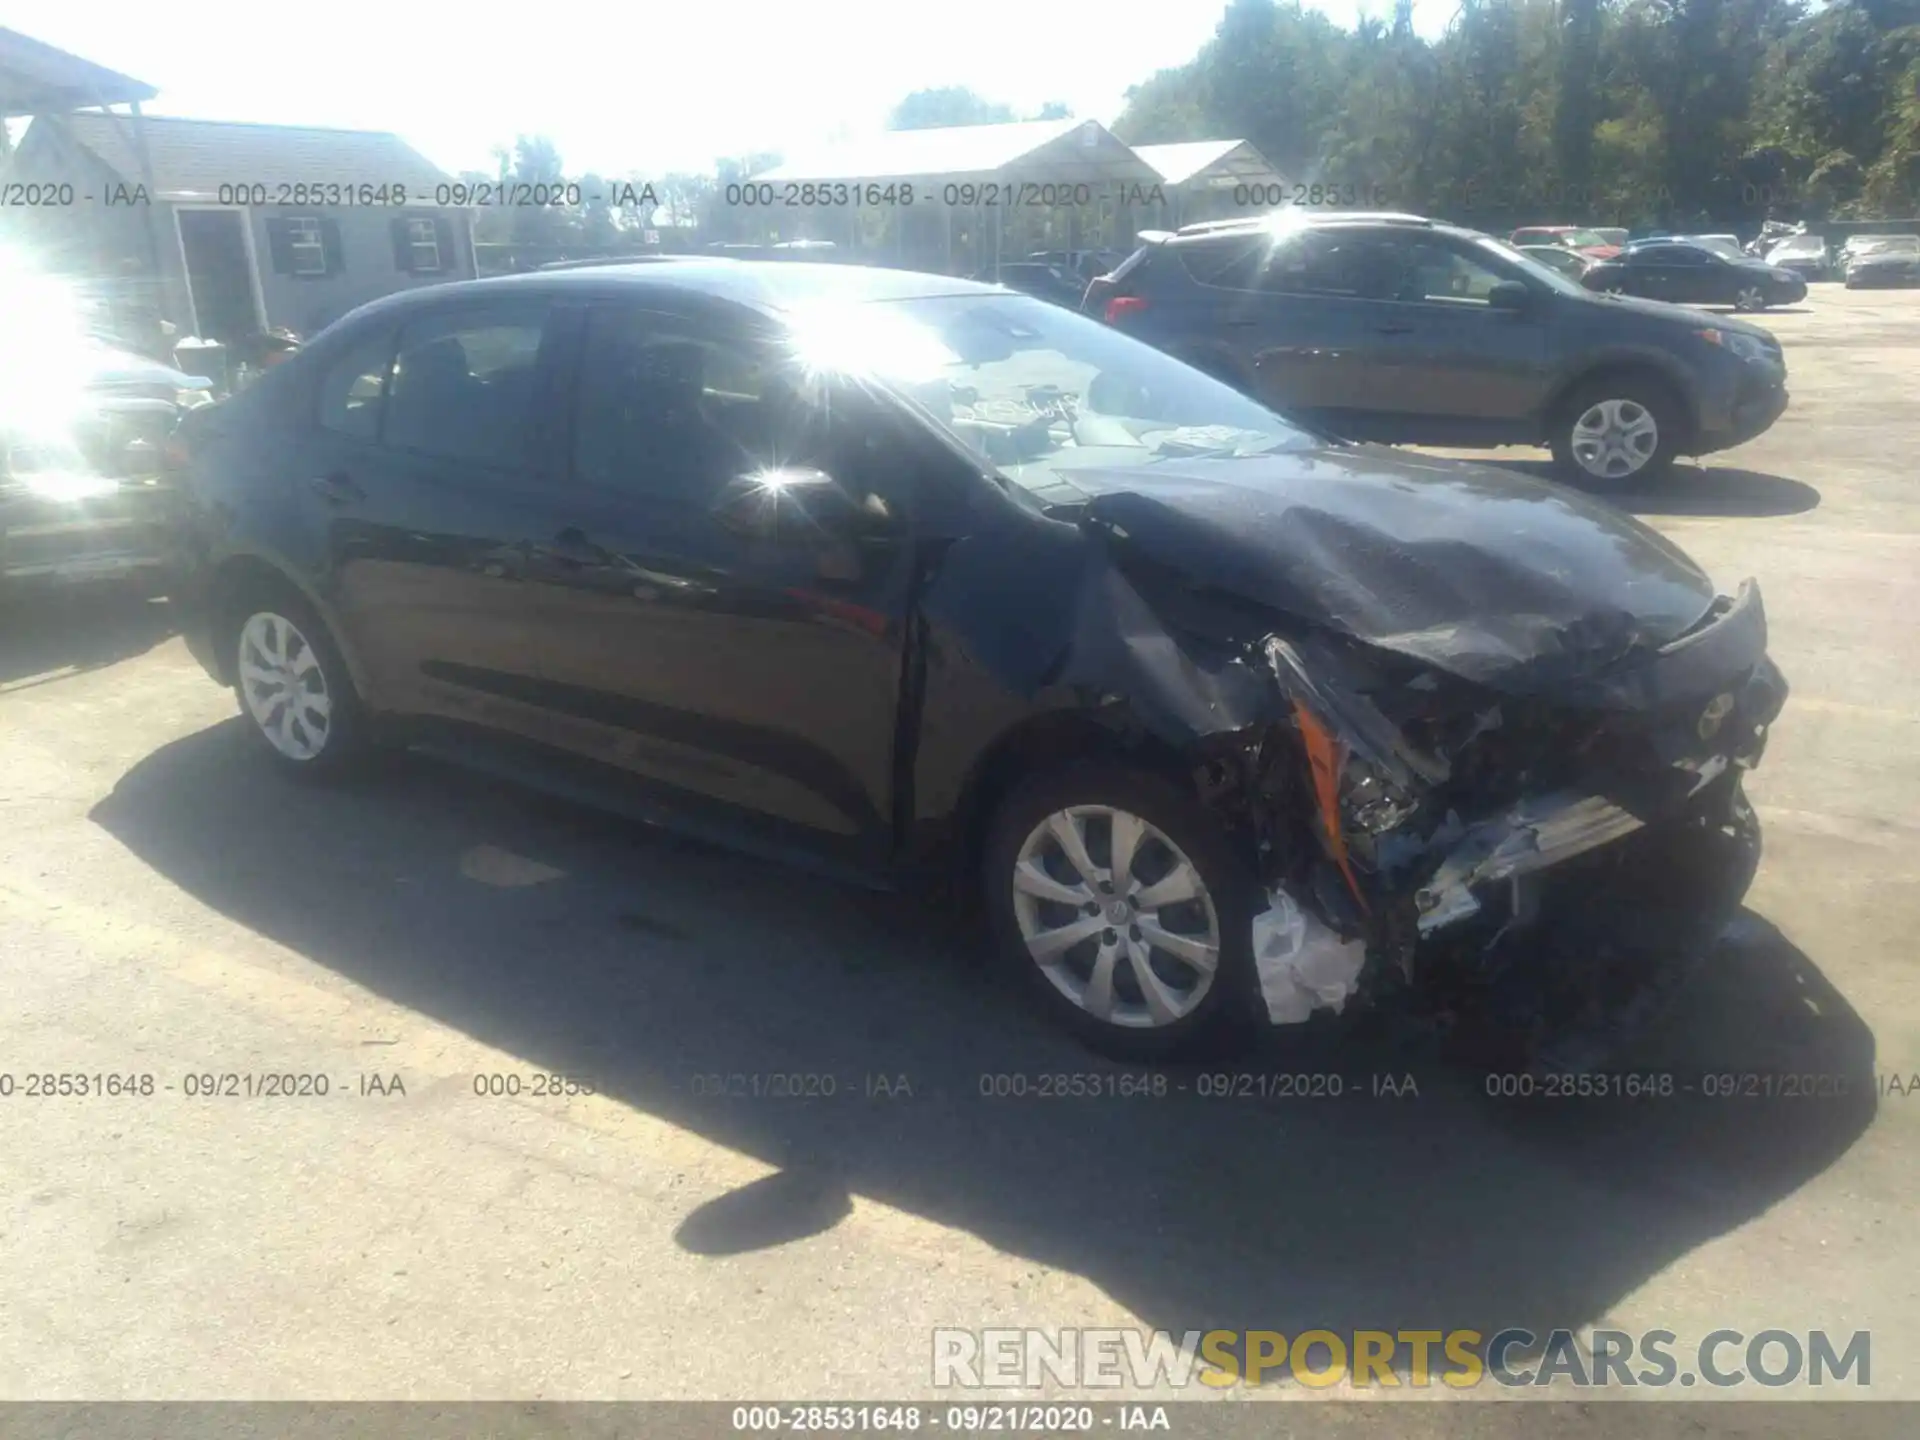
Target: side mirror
[
  {"x": 1510, "y": 295},
  {"x": 796, "y": 504}
]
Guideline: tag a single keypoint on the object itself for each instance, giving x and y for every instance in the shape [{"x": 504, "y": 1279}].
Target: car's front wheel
[
  {"x": 295, "y": 695},
  {"x": 1750, "y": 298},
  {"x": 1120, "y": 904},
  {"x": 1616, "y": 432}
]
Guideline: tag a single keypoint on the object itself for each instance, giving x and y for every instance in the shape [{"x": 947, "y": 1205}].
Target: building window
[
  {"x": 307, "y": 244},
  {"x": 423, "y": 246}
]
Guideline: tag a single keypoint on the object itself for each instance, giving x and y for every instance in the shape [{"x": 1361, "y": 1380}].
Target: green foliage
[
  {"x": 1637, "y": 112},
  {"x": 949, "y": 105}
]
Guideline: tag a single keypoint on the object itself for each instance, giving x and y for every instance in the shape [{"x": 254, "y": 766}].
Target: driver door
[{"x": 758, "y": 674}]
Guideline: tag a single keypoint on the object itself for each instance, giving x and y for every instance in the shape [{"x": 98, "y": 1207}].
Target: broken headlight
[{"x": 1370, "y": 803}]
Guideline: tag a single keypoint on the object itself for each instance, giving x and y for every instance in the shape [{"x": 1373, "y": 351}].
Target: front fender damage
[{"x": 1415, "y": 832}]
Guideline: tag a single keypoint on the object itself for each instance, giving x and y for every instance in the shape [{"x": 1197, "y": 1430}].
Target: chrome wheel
[
  {"x": 283, "y": 686},
  {"x": 1116, "y": 916},
  {"x": 1613, "y": 439},
  {"x": 1750, "y": 297}
]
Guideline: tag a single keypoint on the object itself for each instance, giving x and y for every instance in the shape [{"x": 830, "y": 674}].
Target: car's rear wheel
[
  {"x": 1617, "y": 432},
  {"x": 1750, "y": 298},
  {"x": 296, "y": 697},
  {"x": 1121, "y": 906}
]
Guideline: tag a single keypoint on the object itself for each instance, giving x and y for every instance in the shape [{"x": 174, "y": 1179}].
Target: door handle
[{"x": 337, "y": 488}]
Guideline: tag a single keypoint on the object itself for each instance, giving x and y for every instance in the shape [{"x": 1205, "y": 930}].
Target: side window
[
  {"x": 1229, "y": 263},
  {"x": 1439, "y": 272},
  {"x": 463, "y": 386},
  {"x": 667, "y": 409},
  {"x": 1348, "y": 264},
  {"x": 352, "y": 389}
]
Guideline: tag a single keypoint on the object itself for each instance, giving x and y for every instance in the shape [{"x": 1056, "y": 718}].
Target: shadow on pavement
[
  {"x": 670, "y": 975},
  {"x": 68, "y": 631},
  {"x": 1700, "y": 490}
]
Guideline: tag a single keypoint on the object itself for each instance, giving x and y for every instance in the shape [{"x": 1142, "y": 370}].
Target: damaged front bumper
[
  {"x": 1537, "y": 833},
  {"x": 1444, "y": 878}
]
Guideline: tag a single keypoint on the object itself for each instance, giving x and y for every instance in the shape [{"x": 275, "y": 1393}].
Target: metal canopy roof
[
  {"x": 195, "y": 157},
  {"x": 1208, "y": 164},
  {"x": 1069, "y": 152},
  {"x": 36, "y": 79}
]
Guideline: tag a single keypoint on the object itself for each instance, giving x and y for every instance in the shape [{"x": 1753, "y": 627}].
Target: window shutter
[
  {"x": 330, "y": 237},
  {"x": 281, "y": 246},
  {"x": 443, "y": 236},
  {"x": 402, "y": 250}
]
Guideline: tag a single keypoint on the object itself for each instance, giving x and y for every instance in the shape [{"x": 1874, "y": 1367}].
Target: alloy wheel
[
  {"x": 1116, "y": 916},
  {"x": 1613, "y": 439},
  {"x": 1749, "y": 297},
  {"x": 284, "y": 686}
]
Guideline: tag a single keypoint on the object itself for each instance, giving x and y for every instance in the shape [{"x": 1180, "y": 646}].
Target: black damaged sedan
[{"x": 911, "y": 579}]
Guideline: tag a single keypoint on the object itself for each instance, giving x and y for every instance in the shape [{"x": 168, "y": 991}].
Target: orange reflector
[{"x": 1325, "y": 756}]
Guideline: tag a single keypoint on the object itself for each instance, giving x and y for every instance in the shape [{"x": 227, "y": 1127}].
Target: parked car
[
  {"x": 1684, "y": 273},
  {"x": 1398, "y": 328},
  {"x": 1886, "y": 261},
  {"x": 1613, "y": 235},
  {"x": 1570, "y": 263},
  {"x": 84, "y": 494},
  {"x": 914, "y": 578},
  {"x": 1590, "y": 243},
  {"x": 1806, "y": 255},
  {"x": 1051, "y": 283}
]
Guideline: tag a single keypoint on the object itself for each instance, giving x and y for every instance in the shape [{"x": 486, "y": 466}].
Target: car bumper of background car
[
  {"x": 1878, "y": 277},
  {"x": 1748, "y": 406},
  {"x": 47, "y": 544}
]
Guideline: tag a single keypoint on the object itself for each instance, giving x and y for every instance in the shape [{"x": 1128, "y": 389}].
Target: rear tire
[
  {"x": 1159, "y": 963},
  {"x": 296, "y": 696},
  {"x": 1610, "y": 434}
]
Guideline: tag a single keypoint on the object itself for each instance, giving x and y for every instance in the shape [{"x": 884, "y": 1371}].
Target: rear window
[
  {"x": 1132, "y": 263},
  {"x": 1231, "y": 262}
]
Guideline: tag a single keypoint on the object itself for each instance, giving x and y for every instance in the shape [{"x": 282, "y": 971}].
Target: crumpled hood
[{"x": 1507, "y": 581}]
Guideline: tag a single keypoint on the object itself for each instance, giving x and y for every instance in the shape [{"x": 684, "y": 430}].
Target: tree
[{"x": 948, "y": 105}]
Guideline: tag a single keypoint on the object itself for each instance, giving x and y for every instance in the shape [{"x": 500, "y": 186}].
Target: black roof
[{"x": 768, "y": 285}]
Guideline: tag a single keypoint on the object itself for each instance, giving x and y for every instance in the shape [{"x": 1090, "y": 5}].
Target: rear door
[
  {"x": 1281, "y": 314},
  {"x": 1658, "y": 272},
  {"x": 428, "y": 473},
  {"x": 1691, "y": 275}
]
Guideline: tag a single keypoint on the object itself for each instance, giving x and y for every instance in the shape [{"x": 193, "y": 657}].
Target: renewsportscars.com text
[{"x": 1014, "y": 1359}]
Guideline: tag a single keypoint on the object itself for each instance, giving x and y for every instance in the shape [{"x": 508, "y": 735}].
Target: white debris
[{"x": 1302, "y": 963}]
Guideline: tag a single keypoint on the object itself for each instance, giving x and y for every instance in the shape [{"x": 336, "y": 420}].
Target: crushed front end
[{"x": 1540, "y": 862}]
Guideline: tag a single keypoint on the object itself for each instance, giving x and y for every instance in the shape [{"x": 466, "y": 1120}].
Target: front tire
[
  {"x": 1122, "y": 908},
  {"x": 1612, "y": 433},
  {"x": 1750, "y": 299},
  {"x": 296, "y": 698}
]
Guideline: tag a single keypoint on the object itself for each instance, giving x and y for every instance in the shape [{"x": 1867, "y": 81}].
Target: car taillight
[{"x": 1122, "y": 305}]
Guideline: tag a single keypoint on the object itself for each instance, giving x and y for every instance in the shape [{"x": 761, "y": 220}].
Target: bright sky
[{"x": 626, "y": 88}]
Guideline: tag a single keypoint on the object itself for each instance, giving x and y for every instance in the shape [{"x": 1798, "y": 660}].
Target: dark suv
[{"x": 1397, "y": 328}]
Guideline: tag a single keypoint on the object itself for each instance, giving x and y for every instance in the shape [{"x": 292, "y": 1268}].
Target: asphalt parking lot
[{"x": 170, "y": 909}]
